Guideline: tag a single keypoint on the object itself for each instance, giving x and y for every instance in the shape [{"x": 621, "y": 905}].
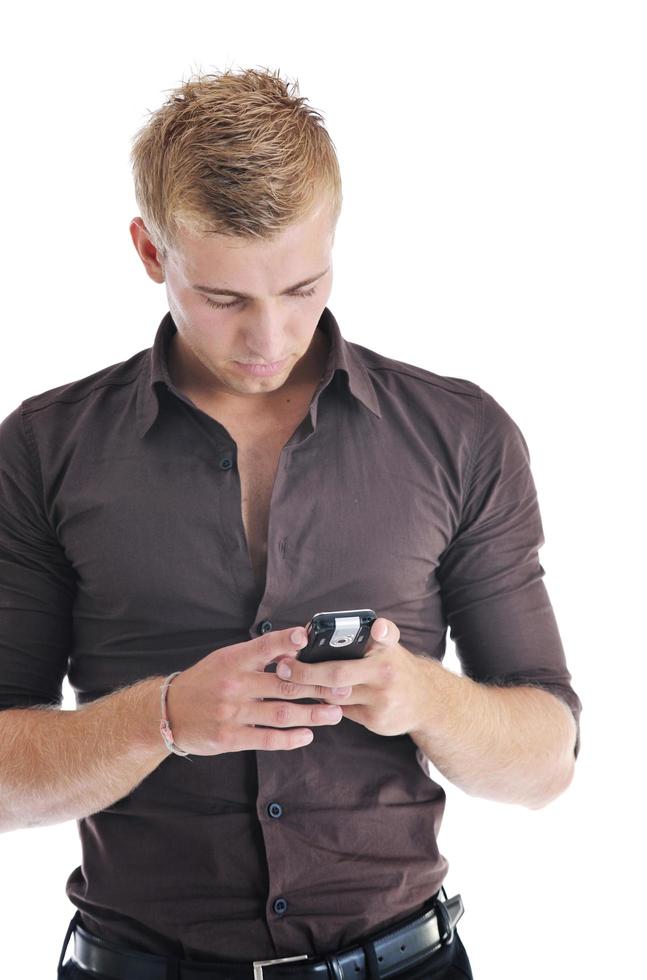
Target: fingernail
[
  {"x": 298, "y": 636},
  {"x": 284, "y": 670},
  {"x": 382, "y": 633}
]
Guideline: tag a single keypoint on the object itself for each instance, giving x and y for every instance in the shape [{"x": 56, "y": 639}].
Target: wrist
[
  {"x": 166, "y": 731},
  {"x": 148, "y": 734},
  {"x": 439, "y": 689}
]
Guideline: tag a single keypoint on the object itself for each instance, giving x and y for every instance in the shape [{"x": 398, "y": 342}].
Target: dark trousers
[{"x": 448, "y": 963}]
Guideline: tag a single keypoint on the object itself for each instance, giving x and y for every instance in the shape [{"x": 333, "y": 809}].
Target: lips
[{"x": 261, "y": 369}]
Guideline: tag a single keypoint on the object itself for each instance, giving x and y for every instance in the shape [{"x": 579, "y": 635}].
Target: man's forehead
[
  {"x": 190, "y": 244},
  {"x": 207, "y": 262}
]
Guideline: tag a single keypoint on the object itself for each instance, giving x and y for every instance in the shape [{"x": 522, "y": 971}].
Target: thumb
[{"x": 385, "y": 632}]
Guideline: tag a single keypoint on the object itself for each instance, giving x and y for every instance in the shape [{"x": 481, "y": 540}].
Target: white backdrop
[{"x": 494, "y": 221}]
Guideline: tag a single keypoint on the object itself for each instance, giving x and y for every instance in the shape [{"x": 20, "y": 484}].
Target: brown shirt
[{"x": 123, "y": 556}]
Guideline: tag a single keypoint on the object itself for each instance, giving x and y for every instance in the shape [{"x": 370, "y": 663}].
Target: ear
[{"x": 146, "y": 250}]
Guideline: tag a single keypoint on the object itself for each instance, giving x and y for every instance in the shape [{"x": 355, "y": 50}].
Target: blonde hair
[{"x": 233, "y": 153}]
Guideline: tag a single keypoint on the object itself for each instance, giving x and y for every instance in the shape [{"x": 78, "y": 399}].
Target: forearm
[
  {"x": 63, "y": 765},
  {"x": 510, "y": 744}
]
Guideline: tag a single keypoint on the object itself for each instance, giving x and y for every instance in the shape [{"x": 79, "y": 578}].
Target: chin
[{"x": 250, "y": 385}]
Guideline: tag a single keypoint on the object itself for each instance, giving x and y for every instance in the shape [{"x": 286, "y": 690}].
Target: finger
[
  {"x": 272, "y": 739},
  {"x": 327, "y": 673},
  {"x": 277, "y": 643},
  {"x": 268, "y": 685},
  {"x": 284, "y": 714}
]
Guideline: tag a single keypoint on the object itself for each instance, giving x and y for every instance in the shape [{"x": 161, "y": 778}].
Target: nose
[{"x": 265, "y": 338}]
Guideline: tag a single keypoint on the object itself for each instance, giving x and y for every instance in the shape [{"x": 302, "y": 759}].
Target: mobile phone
[{"x": 337, "y": 635}]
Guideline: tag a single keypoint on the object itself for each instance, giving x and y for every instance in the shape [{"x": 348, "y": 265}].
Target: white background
[{"x": 494, "y": 223}]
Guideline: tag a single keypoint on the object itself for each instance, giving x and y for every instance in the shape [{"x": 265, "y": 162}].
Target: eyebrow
[{"x": 221, "y": 291}]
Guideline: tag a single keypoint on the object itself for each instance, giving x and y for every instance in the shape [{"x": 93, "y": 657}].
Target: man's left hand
[{"x": 389, "y": 686}]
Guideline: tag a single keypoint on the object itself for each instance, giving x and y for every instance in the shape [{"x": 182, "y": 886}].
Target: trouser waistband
[{"x": 384, "y": 954}]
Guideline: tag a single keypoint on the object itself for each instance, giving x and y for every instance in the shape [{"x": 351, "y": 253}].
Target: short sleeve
[
  {"x": 37, "y": 582},
  {"x": 494, "y": 598}
]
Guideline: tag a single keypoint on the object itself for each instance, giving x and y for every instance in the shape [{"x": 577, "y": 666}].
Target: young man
[{"x": 172, "y": 522}]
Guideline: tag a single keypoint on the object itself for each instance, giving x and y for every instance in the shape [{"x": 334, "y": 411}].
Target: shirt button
[
  {"x": 226, "y": 463},
  {"x": 265, "y": 626},
  {"x": 275, "y": 810},
  {"x": 280, "y": 906}
]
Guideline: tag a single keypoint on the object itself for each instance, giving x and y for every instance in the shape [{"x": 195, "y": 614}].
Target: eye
[
  {"x": 226, "y": 306},
  {"x": 220, "y": 306}
]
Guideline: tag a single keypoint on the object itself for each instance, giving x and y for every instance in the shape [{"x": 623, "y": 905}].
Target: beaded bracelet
[{"x": 165, "y": 727}]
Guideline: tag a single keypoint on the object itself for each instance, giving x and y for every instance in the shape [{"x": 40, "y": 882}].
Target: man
[{"x": 170, "y": 524}]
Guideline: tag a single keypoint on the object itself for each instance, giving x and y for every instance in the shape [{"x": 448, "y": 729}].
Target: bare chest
[
  {"x": 258, "y": 460},
  {"x": 257, "y": 465},
  {"x": 259, "y": 442}
]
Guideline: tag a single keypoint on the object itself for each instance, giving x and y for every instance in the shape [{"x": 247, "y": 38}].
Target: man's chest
[
  {"x": 258, "y": 460},
  {"x": 259, "y": 443},
  {"x": 180, "y": 541}
]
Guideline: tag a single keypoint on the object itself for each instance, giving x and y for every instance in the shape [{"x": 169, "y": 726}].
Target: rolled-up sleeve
[
  {"x": 494, "y": 598},
  {"x": 36, "y": 580}
]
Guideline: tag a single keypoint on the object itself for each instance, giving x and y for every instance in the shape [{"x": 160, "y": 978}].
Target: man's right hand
[{"x": 214, "y": 706}]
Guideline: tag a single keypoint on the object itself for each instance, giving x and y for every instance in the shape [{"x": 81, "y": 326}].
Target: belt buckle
[{"x": 259, "y": 964}]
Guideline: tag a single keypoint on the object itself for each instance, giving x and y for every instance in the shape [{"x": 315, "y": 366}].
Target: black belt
[{"x": 401, "y": 946}]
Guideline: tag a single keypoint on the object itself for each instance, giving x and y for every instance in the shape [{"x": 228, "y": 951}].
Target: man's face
[{"x": 276, "y": 322}]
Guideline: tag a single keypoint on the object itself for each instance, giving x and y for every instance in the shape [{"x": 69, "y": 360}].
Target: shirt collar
[{"x": 342, "y": 357}]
